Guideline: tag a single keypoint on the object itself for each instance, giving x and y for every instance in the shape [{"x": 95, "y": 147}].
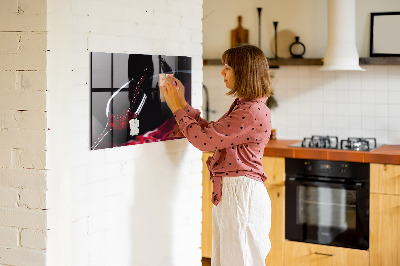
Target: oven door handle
[{"x": 352, "y": 185}]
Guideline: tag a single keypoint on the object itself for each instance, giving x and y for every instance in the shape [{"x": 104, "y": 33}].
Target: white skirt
[{"x": 241, "y": 223}]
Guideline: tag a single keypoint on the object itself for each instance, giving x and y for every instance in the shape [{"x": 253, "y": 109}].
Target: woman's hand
[
  {"x": 174, "y": 93},
  {"x": 181, "y": 90}
]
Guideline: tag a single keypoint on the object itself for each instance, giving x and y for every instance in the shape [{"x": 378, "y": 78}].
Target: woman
[{"x": 242, "y": 211}]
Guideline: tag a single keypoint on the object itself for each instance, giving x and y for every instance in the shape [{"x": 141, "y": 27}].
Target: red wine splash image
[{"x": 121, "y": 121}]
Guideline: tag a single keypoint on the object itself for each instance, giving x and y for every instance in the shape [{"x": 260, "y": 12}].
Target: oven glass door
[
  {"x": 327, "y": 213},
  {"x": 326, "y": 207}
]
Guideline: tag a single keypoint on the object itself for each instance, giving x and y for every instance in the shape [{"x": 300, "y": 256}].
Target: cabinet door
[
  {"x": 274, "y": 168},
  {"x": 304, "y": 254},
  {"x": 206, "y": 232},
  {"x": 385, "y": 178},
  {"x": 384, "y": 230},
  {"x": 277, "y": 233}
]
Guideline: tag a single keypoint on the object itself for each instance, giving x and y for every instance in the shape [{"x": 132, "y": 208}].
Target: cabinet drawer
[{"x": 304, "y": 254}]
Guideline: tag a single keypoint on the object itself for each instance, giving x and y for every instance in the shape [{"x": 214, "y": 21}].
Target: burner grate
[
  {"x": 327, "y": 142},
  {"x": 332, "y": 142},
  {"x": 358, "y": 144}
]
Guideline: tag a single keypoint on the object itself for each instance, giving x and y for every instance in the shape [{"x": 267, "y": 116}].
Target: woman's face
[{"x": 229, "y": 76}]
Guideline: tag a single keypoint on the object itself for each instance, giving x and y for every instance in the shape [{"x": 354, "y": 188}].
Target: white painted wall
[
  {"x": 23, "y": 133},
  {"x": 137, "y": 205},
  {"x": 306, "y": 19},
  {"x": 311, "y": 102}
]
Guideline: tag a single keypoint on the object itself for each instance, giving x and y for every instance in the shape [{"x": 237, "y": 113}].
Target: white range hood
[{"x": 341, "y": 51}]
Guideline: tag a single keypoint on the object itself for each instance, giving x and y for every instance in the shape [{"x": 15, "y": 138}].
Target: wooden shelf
[
  {"x": 380, "y": 61},
  {"x": 212, "y": 62},
  {"x": 273, "y": 63}
]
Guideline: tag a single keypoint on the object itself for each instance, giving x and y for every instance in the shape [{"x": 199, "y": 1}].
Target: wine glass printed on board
[{"x": 127, "y": 105}]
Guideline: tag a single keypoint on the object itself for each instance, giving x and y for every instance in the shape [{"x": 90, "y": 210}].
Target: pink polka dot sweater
[{"x": 238, "y": 140}]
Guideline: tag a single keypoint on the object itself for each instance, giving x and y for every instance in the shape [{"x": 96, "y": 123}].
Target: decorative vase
[{"x": 297, "y": 49}]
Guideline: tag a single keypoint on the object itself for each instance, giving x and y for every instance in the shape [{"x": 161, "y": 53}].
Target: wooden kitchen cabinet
[
  {"x": 305, "y": 254},
  {"x": 206, "y": 225},
  {"x": 274, "y": 168},
  {"x": 385, "y": 215},
  {"x": 384, "y": 236},
  {"x": 385, "y": 178},
  {"x": 277, "y": 233}
]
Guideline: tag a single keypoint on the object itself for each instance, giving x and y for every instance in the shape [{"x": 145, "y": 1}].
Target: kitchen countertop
[{"x": 389, "y": 154}]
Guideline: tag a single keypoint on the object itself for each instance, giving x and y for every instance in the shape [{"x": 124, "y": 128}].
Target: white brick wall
[
  {"x": 11, "y": 256},
  {"x": 23, "y": 132},
  {"x": 137, "y": 205},
  {"x": 9, "y": 197},
  {"x": 9, "y": 237},
  {"x": 33, "y": 239},
  {"x": 23, "y": 178}
]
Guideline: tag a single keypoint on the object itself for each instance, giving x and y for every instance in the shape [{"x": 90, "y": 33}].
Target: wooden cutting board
[{"x": 239, "y": 35}]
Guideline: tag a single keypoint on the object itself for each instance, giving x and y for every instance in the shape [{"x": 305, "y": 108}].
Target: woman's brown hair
[{"x": 250, "y": 66}]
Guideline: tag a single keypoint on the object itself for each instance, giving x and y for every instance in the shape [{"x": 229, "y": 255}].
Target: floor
[{"x": 206, "y": 261}]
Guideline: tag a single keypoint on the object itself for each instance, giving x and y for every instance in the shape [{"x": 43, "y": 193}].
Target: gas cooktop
[{"x": 332, "y": 142}]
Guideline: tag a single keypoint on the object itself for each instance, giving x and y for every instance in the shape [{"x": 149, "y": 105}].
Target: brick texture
[
  {"x": 17, "y": 256},
  {"x": 33, "y": 199},
  {"x": 23, "y": 218},
  {"x": 23, "y": 125},
  {"x": 44, "y": 122},
  {"x": 8, "y": 197},
  {"x": 126, "y": 189},
  {"x": 9, "y": 237},
  {"x": 33, "y": 239}
]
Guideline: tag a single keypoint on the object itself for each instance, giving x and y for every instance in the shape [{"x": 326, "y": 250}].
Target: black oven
[{"x": 327, "y": 202}]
